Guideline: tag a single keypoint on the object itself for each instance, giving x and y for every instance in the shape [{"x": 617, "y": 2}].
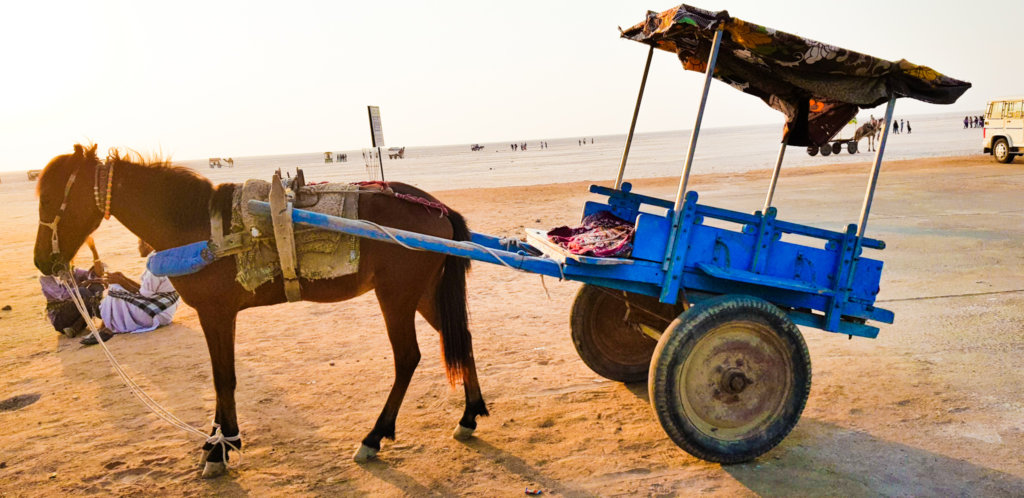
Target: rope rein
[
  {"x": 387, "y": 231},
  {"x": 218, "y": 437}
]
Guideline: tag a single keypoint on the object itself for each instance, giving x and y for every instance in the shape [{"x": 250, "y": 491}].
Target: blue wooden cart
[{"x": 706, "y": 309}]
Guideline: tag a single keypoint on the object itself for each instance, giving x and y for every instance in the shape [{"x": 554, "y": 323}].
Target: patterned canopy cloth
[{"x": 817, "y": 86}]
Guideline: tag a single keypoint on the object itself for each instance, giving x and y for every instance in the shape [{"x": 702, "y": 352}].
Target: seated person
[
  {"x": 61, "y": 310},
  {"x": 135, "y": 307}
]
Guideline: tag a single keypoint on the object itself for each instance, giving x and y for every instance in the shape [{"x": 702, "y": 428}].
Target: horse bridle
[{"x": 54, "y": 241}]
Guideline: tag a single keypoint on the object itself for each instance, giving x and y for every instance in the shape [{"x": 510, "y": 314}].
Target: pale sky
[{"x": 207, "y": 79}]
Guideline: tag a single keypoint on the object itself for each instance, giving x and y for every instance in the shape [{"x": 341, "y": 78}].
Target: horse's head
[{"x": 67, "y": 208}]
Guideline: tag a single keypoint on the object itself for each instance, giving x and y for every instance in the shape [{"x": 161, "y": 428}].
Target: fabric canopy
[{"x": 817, "y": 86}]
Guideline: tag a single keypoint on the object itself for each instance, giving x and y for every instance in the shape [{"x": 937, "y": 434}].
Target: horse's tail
[{"x": 450, "y": 302}]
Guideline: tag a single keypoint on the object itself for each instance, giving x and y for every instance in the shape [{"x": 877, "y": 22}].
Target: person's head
[{"x": 144, "y": 248}]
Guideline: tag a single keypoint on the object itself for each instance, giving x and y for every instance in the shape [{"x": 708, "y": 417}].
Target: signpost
[{"x": 376, "y": 134}]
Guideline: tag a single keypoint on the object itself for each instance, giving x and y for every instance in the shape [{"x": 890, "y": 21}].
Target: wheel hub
[{"x": 734, "y": 381}]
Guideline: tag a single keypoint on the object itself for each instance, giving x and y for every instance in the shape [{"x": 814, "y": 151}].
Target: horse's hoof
[
  {"x": 364, "y": 454},
  {"x": 463, "y": 433},
  {"x": 214, "y": 469}
]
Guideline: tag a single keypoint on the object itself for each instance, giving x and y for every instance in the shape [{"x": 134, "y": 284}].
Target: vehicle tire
[
  {"x": 730, "y": 378},
  {"x": 812, "y": 151},
  {"x": 837, "y": 147},
  {"x": 1001, "y": 151},
  {"x": 826, "y": 150},
  {"x": 610, "y": 346},
  {"x": 851, "y": 147}
]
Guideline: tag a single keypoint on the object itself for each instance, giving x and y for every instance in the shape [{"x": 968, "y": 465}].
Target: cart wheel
[
  {"x": 837, "y": 147},
  {"x": 812, "y": 151},
  {"x": 1001, "y": 151},
  {"x": 610, "y": 346},
  {"x": 851, "y": 147},
  {"x": 826, "y": 150},
  {"x": 729, "y": 378}
]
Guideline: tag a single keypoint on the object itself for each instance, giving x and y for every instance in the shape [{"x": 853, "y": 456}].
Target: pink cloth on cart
[{"x": 602, "y": 234}]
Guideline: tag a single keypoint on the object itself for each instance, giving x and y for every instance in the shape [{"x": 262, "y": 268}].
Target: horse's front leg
[
  {"x": 219, "y": 329},
  {"x": 399, "y": 317}
]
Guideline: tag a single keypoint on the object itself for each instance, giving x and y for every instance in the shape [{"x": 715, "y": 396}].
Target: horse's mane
[
  {"x": 181, "y": 186},
  {"x": 162, "y": 166}
]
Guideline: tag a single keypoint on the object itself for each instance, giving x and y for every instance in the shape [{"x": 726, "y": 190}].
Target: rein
[{"x": 216, "y": 439}]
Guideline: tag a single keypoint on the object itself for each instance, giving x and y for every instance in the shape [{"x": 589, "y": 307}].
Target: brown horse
[{"x": 168, "y": 206}]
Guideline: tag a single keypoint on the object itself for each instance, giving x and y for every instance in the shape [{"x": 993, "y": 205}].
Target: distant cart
[{"x": 833, "y": 147}]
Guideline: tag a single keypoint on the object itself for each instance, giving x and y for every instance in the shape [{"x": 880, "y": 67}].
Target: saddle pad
[{"x": 321, "y": 253}]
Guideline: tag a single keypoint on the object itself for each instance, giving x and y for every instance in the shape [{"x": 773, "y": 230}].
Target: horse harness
[{"x": 108, "y": 171}]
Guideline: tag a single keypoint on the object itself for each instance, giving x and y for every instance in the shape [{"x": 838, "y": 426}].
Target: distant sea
[{"x": 660, "y": 154}]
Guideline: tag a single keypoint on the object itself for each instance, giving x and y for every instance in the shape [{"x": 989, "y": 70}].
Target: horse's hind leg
[
  {"x": 219, "y": 329},
  {"x": 399, "y": 309},
  {"x": 475, "y": 405}
]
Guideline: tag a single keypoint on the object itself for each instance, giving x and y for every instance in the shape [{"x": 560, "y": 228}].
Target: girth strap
[{"x": 281, "y": 216}]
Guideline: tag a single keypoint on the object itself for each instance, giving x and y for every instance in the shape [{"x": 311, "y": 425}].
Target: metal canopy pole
[
  {"x": 632, "y": 125},
  {"x": 775, "y": 176},
  {"x": 869, "y": 195},
  {"x": 708, "y": 76}
]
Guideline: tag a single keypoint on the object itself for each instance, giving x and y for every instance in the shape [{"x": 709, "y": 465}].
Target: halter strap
[{"x": 55, "y": 248}]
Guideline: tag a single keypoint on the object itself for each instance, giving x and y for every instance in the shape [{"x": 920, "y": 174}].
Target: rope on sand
[
  {"x": 218, "y": 438},
  {"x": 969, "y": 294}
]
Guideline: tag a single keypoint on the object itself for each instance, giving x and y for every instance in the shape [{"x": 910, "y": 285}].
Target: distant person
[
  {"x": 966, "y": 121},
  {"x": 908, "y": 127},
  {"x": 135, "y": 307},
  {"x": 591, "y": 139}
]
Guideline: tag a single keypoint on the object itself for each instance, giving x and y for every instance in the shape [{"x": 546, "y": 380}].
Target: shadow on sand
[
  {"x": 821, "y": 458},
  {"x": 518, "y": 466},
  {"x": 824, "y": 459}
]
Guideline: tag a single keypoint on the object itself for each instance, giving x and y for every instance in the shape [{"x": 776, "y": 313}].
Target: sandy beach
[{"x": 933, "y": 407}]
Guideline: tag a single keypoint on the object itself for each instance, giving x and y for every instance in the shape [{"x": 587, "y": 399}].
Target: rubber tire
[
  {"x": 851, "y": 147},
  {"x": 826, "y": 150},
  {"x": 837, "y": 147},
  {"x": 1001, "y": 151},
  {"x": 614, "y": 350},
  {"x": 680, "y": 339},
  {"x": 812, "y": 151}
]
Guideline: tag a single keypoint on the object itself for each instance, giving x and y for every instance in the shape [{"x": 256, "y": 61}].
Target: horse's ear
[
  {"x": 92, "y": 151},
  {"x": 79, "y": 150}
]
